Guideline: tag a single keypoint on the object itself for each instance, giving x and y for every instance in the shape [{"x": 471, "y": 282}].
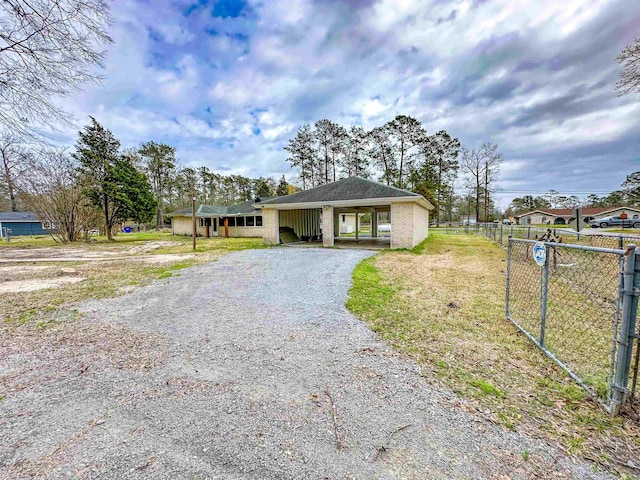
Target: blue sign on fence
[{"x": 540, "y": 253}]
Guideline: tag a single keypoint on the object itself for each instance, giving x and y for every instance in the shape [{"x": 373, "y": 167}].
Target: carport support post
[
  {"x": 357, "y": 223},
  {"x": 374, "y": 224},
  {"x": 327, "y": 226},
  {"x": 226, "y": 227},
  {"x": 194, "y": 231}
]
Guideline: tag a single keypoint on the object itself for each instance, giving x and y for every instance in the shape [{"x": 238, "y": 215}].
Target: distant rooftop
[
  {"x": 243, "y": 208},
  {"x": 18, "y": 217}
]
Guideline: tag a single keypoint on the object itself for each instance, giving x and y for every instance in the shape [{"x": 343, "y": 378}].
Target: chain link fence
[
  {"x": 501, "y": 233},
  {"x": 570, "y": 307},
  {"x": 578, "y": 304}
]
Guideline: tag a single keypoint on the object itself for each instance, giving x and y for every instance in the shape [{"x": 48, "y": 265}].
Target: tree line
[
  {"x": 98, "y": 183},
  {"x": 399, "y": 153}
]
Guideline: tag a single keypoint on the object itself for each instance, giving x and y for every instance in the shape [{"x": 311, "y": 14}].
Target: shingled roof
[
  {"x": 567, "y": 212},
  {"x": 243, "y": 208},
  {"x": 18, "y": 217},
  {"x": 352, "y": 188}
]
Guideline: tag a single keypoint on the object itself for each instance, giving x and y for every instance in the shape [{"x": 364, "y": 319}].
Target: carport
[{"x": 314, "y": 215}]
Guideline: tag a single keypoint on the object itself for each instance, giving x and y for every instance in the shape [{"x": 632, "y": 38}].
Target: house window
[
  {"x": 258, "y": 220},
  {"x": 232, "y": 221},
  {"x": 240, "y": 222},
  {"x": 202, "y": 222},
  {"x": 250, "y": 221},
  {"x": 344, "y": 218}
]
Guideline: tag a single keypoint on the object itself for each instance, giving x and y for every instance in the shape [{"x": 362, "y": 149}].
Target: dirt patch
[
  {"x": 17, "y": 286},
  {"x": 20, "y": 269},
  {"x": 164, "y": 258},
  {"x": 54, "y": 255},
  {"x": 150, "y": 246}
]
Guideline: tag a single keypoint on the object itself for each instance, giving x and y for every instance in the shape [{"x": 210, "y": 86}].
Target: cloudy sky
[{"x": 228, "y": 82}]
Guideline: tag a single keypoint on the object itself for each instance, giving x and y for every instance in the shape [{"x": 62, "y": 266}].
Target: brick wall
[
  {"x": 182, "y": 226},
  {"x": 409, "y": 224},
  {"x": 327, "y": 226},
  {"x": 420, "y": 224},
  {"x": 401, "y": 225},
  {"x": 270, "y": 226}
]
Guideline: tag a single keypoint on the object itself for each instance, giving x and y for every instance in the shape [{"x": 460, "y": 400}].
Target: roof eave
[{"x": 362, "y": 202}]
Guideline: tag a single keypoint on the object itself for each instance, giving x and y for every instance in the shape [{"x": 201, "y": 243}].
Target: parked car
[
  {"x": 506, "y": 221},
  {"x": 614, "y": 221}
]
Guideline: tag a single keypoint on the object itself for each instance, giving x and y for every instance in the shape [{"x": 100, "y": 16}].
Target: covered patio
[{"x": 350, "y": 213}]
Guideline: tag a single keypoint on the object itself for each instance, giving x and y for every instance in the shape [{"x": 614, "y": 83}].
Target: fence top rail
[{"x": 614, "y": 251}]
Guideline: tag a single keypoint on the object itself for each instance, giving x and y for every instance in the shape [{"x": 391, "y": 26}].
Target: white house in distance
[
  {"x": 314, "y": 215},
  {"x": 563, "y": 216}
]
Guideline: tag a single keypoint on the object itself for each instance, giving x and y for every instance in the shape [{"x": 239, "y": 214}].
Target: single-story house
[
  {"x": 239, "y": 220},
  {"x": 563, "y": 216},
  {"x": 315, "y": 215},
  {"x": 21, "y": 223}
]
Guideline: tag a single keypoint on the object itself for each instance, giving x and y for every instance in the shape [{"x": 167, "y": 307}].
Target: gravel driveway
[{"x": 246, "y": 368}]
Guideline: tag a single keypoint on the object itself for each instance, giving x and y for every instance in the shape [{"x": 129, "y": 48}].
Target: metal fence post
[
  {"x": 630, "y": 291},
  {"x": 544, "y": 290},
  {"x": 506, "y": 302},
  {"x": 528, "y": 233},
  {"x": 500, "y": 234}
]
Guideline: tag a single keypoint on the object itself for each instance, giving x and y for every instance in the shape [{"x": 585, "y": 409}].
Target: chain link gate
[{"x": 580, "y": 309}]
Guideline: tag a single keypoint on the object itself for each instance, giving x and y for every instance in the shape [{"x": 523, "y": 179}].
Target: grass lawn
[
  {"x": 135, "y": 260},
  {"x": 443, "y": 305}
]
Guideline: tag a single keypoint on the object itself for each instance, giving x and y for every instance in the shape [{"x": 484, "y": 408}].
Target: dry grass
[
  {"x": 106, "y": 278},
  {"x": 445, "y": 307}
]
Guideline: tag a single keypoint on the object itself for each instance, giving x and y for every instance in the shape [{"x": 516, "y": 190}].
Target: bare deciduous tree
[
  {"x": 14, "y": 156},
  {"x": 630, "y": 76},
  {"x": 52, "y": 191},
  {"x": 482, "y": 167},
  {"x": 48, "y": 49}
]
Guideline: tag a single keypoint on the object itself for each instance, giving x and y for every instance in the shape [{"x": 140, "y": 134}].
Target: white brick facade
[
  {"x": 271, "y": 226},
  {"x": 409, "y": 224},
  {"x": 327, "y": 226},
  {"x": 183, "y": 226}
]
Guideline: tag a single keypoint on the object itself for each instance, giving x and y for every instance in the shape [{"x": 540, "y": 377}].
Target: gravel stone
[{"x": 264, "y": 375}]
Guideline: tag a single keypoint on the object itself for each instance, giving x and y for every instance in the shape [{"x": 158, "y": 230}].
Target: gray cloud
[{"x": 540, "y": 83}]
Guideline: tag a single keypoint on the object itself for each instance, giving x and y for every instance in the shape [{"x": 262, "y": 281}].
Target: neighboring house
[
  {"x": 315, "y": 215},
  {"x": 241, "y": 220},
  {"x": 563, "y": 216},
  {"x": 468, "y": 219},
  {"x": 21, "y": 223}
]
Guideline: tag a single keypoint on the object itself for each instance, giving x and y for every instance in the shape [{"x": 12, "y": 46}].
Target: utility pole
[
  {"x": 486, "y": 191},
  {"x": 194, "y": 232}
]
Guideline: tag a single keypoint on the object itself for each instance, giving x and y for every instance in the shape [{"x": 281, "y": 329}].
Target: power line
[{"x": 565, "y": 192}]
